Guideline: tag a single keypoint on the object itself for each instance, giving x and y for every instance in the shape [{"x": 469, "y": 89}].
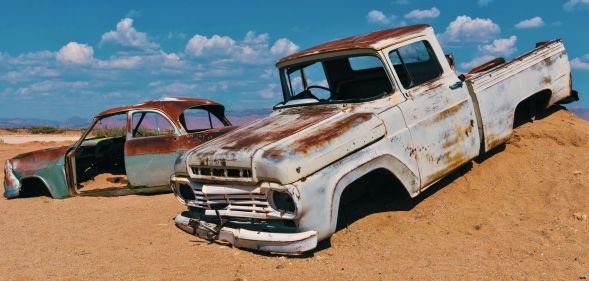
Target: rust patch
[
  {"x": 364, "y": 41},
  {"x": 322, "y": 136},
  {"x": 446, "y": 113},
  {"x": 151, "y": 145},
  {"x": 193, "y": 140},
  {"x": 173, "y": 107},
  {"x": 270, "y": 129},
  {"x": 31, "y": 162},
  {"x": 547, "y": 80},
  {"x": 548, "y": 61}
]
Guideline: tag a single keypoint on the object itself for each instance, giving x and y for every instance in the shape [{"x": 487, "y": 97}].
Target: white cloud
[
  {"x": 503, "y": 47},
  {"x": 476, "y": 62},
  {"x": 530, "y": 23},
  {"x": 572, "y": 4},
  {"x": 49, "y": 86},
  {"x": 253, "y": 49},
  {"x": 580, "y": 64},
  {"x": 269, "y": 92},
  {"x": 484, "y": 3},
  {"x": 423, "y": 14},
  {"x": 124, "y": 62},
  {"x": 377, "y": 17},
  {"x": 283, "y": 47},
  {"x": 27, "y": 73},
  {"x": 75, "y": 53},
  {"x": 467, "y": 29},
  {"x": 176, "y": 88},
  {"x": 126, "y": 35},
  {"x": 199, "y": 44}
]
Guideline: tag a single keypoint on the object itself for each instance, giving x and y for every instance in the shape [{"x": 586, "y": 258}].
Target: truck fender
[{"x": 408, "y": 179}]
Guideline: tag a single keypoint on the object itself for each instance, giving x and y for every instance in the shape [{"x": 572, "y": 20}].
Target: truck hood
[{"x": 290, "y": 144}]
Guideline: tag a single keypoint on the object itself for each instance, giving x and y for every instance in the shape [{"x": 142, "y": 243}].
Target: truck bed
[{"x": 499, "y": 90}]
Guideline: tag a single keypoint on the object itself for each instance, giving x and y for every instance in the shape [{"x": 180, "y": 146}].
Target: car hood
[
  {"x": 30, "y": 162},
  {"x": 290, "y": 144}
]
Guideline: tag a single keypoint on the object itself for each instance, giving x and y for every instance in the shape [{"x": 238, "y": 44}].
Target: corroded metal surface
[
  {"x": 314, "y": 152},
  {"x": 375, "y": 40},
  {"x": 149, "y": 161},
  {"x": 172, "y": 106}
]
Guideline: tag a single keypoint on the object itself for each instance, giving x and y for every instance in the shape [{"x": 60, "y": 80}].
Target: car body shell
[{"x": 53, "y": 167}]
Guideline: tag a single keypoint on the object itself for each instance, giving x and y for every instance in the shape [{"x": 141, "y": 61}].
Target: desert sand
[{"x": 520, "y": 214}]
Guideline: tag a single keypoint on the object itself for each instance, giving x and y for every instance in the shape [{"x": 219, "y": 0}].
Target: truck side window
[{"x": 415, "y": 64}]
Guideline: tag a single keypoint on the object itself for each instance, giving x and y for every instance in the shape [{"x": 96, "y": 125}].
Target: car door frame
[
  {"x": 440, "y": 117},
  {"x": 156, "y": 150}
]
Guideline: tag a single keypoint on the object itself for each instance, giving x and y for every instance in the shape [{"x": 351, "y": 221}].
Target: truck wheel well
[
  {"x": 33, "y": 187},
  {"x": 529, "y": 108},
  {"x": 375, "y": 192}
]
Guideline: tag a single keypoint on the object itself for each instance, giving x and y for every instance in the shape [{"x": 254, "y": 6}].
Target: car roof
[
  {"x": 376, "y": 40},
  {"x": 171, "y": 106}
]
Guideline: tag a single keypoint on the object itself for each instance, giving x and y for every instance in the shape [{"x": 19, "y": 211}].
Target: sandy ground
[
  {"x": 13, "y": 139},
  {"x": 517, "y": 215}
]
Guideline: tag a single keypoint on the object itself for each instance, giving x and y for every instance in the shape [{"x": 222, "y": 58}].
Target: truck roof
[
  {"x": 172, "y": 106},
  {"x": 376, "y": 40}
]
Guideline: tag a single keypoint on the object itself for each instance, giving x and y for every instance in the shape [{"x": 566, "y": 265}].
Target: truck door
[
  {"x": 439, "y": 111},
  {"x": 151, "y": 149}
]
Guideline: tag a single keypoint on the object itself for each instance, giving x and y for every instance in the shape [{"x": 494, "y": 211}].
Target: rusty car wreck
[
  {"x": 386, "y": 105},
  {"x": 136, "y": 144}
]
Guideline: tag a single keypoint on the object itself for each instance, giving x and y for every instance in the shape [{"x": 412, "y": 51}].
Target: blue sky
[{"x": 60, "y": 59}]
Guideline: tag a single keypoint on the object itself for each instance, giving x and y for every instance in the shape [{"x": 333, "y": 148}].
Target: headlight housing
[{"x": 282, "y": 202}]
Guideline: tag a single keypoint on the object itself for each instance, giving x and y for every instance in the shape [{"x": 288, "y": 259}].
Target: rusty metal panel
[
  {"x": 307, "y": 151},
  {"x": 375, "y": 40},
  {"x": 501, "y": 89}
]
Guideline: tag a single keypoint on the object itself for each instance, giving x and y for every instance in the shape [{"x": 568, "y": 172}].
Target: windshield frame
[{"x": 309, "y": 60}]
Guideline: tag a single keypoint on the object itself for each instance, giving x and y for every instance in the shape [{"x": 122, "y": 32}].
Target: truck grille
[
  {"x": 222, "y": 172},
  {"x": 247, "y": 202}
]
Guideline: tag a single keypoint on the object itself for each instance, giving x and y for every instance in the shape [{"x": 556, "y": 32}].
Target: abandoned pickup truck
[
  {"x": 386, "y": 106},
  {"x": 134, "y": 146}
]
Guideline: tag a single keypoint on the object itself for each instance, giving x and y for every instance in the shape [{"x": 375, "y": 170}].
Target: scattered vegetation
[
  {"x": 108, "y": 132},
  {"x": 45, "y": 130}
]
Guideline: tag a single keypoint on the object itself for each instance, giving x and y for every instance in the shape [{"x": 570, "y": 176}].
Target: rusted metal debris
[
  {"x": 146, "y": 161},
  {"x": 277, "y": 182}
]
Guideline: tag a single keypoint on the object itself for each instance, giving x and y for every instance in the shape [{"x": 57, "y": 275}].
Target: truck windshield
[{"x": 340, "y": 79}]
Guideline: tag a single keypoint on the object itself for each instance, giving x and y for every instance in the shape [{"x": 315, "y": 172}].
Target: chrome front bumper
[{"x": 255, "y": 240}]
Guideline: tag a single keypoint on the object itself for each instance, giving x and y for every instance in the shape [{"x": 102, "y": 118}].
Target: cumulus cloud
[
  {"x": 573, "y": 4},
  {"x": 252, "y": 49},
  {"x": 580, "y": 64},
  {"x": 75, "y": 53},
  {"x": 200, "y": 44},
  {"x": 502, "y": 47},
  {"x": 423, "y": 14},
  {"x": 176, "y": 88},
  {"x": 283, "y": 47},
  {"x": 530, "y": 23},
  {"x": 377, "y": 17},
  {"x": 126, "y": 35},
  {"x": 467, "y": 29}
]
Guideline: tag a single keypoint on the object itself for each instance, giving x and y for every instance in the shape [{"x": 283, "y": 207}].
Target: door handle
[{"x": 456, "y": 85}]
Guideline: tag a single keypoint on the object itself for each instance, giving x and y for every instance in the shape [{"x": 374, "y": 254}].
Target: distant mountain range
[{"x": 237, "y": 117}]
